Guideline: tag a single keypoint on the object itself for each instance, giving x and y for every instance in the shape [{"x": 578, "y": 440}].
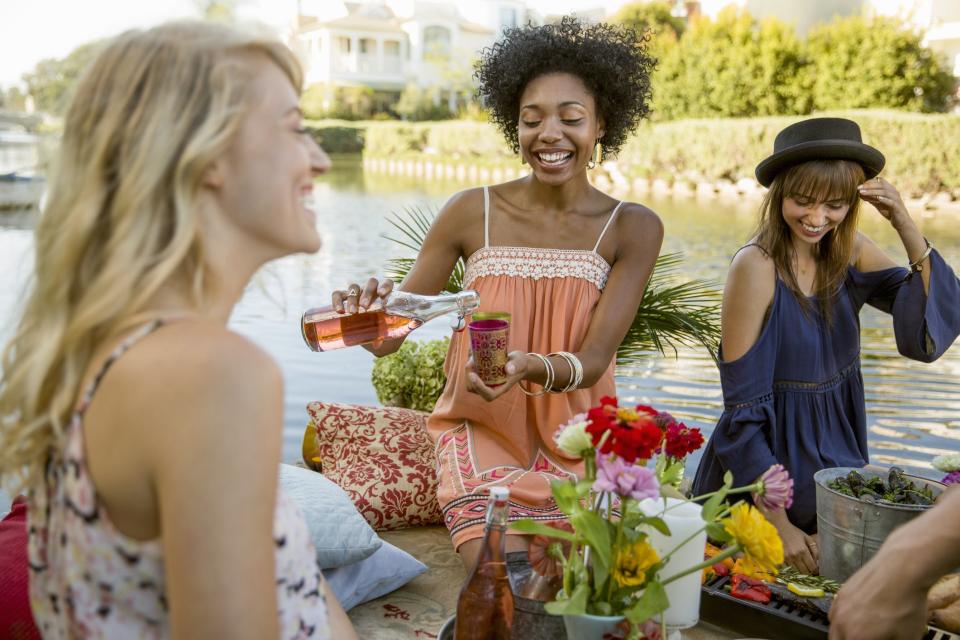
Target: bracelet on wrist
[
  {"x": 917, "y": 265},
  {"x": 547, "y": 383},
  {"x": 576, "y": 371}
]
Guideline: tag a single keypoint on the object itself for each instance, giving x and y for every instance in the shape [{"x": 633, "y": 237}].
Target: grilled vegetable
[{"x": 749, "y": 589}]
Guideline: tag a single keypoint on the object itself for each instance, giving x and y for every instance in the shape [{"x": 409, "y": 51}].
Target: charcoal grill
[{"x": 782, "y": 619}]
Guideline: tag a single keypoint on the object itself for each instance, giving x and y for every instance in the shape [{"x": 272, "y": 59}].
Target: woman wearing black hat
[{"x": 790, "y": 355}]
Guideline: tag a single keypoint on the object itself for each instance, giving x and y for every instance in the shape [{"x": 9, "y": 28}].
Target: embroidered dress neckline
[{"x": 537, "y": 263}]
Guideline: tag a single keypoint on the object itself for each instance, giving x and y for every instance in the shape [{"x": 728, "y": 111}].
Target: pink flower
[
  {"x": 952, "y": 478},
  {"x": 776, "y": 489},
  {"x": 628, "y": 480}
]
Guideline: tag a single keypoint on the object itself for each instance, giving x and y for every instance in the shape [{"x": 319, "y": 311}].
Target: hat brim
[{"x": 866, "y": 156}]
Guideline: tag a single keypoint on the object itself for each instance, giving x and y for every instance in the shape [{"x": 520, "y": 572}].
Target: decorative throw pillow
[
  {"x": 382, "y": 457},
  {"x": 16, "y": 619},
  {"x": 338, "y": 532},
  {"x": 388, "y": 569}
]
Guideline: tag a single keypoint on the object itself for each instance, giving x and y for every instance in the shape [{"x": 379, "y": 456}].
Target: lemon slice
[{"x": 806, "y": 592}]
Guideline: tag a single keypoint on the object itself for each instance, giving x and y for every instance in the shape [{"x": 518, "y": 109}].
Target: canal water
[{"x": 913, "y": 409}]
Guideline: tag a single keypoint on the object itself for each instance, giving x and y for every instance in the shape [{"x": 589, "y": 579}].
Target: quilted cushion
[
  {"x": 340, "y": 535},
  {"x": 16, "y": 619},
  {"x": 382, "y": 457}
]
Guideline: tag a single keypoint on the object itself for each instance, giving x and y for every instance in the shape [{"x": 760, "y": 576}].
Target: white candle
[{"x": 683, "y": 518}]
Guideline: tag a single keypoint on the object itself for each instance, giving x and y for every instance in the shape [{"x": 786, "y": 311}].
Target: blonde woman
[{"x": 145, "y": 433}]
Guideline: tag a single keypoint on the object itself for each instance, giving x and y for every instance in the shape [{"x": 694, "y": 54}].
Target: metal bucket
[
  {"x": 530, "y": 619},
  {"x": 850, "y": 530}
]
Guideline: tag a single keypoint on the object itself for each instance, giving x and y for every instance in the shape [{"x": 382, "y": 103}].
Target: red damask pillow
[{"x": 382, "y": 457}]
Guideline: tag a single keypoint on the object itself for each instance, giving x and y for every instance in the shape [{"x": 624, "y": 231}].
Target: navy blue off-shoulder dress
[{"x": 796, "y": 397}]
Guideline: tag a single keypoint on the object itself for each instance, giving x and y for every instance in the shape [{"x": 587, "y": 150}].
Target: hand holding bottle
[{"x": 356, "y": 299}]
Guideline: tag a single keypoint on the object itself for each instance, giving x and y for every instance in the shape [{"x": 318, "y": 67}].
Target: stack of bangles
[{"x": 576, "y": 373}]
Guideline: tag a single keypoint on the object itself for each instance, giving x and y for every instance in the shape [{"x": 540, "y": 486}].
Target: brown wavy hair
[{"x": 820, "y": 181}]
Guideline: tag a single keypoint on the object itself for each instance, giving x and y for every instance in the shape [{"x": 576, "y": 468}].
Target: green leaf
[
  {"x": 727, "y": 480},
  {"x": 596, "y": 532},
  {"x": 539, "y": 529},
  {"x": 602, "y": 609},
  {"x": 716, "y": 532},
  {"x": 712, "y": 506},
  {"x": 653, "y": 601},
  {"x": 658, "y": 524},
  {"x": 566, "y": 496},
  {"x": 575, "y": 605}
]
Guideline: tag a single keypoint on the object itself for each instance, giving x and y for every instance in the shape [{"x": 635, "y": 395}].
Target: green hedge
[
  {"x": 920, "y": 155},
  {"x": 338, "y": 138},
  {"x": 918, "y": 147}
]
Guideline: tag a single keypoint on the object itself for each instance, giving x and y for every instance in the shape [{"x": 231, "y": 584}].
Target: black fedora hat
[{"x": 819, "y": 139}]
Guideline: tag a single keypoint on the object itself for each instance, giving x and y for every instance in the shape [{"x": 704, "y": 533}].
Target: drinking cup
[{"x": 489, "y": 339}]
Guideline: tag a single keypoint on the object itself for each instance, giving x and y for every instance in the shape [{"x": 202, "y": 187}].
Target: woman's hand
[
  {"x": 356, "y": 299},
  {"x": 800, "y": 551},
  {"x": 518, "y": 366},
  {"x": 882, "y": 195}
]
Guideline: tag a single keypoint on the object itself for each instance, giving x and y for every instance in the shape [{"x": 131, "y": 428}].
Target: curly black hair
[{"x": 612, "y": 61}]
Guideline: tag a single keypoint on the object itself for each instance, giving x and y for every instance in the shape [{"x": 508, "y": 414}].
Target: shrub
[
  {"x": 861, "y": 63},
  {"x": 338, "y": 139},
  {"x": 418, "y": 104},
  {"x": 413, "y": 376},
  {"x": 732, "y": 68}
]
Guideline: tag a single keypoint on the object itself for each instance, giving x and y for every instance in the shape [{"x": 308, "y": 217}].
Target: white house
[{"x": 388, "y": 44}]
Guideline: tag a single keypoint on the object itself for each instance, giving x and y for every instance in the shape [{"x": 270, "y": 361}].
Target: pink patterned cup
[{"x": 489, "y": 338}]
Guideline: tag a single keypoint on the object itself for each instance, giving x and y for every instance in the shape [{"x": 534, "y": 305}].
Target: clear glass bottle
[
  {"x": 485, "y": 606},
  {"x": 324, "y": 329}
]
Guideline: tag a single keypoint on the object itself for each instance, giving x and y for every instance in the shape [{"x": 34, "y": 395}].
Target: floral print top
[{"x": 88, "y": 580}]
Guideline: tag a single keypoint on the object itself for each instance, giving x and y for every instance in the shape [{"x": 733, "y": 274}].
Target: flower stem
[
  {"x": 677, "y": 548},
  {"x": 720, "y": 557}
]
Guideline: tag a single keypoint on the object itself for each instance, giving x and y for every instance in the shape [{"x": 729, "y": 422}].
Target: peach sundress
[{"x": 551, "y": 295}]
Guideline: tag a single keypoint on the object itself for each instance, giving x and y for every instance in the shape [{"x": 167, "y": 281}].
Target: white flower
[
  {"x": 572, "y": 438},
  {"x": 947, "y": 463}
]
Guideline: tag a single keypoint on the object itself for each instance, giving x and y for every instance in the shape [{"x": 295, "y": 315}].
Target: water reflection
[{"x": 913, "y": 409}]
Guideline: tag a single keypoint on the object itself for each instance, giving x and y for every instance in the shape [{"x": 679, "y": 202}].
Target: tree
[
  {"x": 877, "y": 62},
  {"x": 653, "y": 16},
  {"x": 51, "y": 81},
  {"x": 422, "y": 104},
  {"x": 733, "y": 67},
  {"x": 13, "y": 100}
]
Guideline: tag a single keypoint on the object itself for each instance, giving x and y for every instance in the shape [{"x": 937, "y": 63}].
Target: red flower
[
  {"x": 681, "y": 440},
  {"x": 638, "y": 439},
  {"x": 608, "y": 401}
]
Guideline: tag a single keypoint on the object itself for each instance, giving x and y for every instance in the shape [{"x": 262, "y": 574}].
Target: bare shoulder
[
  {"x": 194, "y": 373},
  {"x": 867, "y": 256},
  {"x": 639, "y": 227},
  {"x": 463, "y": 206},
  {"x": 752, "y": 267}
]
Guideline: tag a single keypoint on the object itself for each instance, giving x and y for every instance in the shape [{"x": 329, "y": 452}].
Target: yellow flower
[
  {"x": 627, "y": 415},
  {"x": 756, "y": 536},
  {"x": 632, "y": 563},
  {"x": 747, "y": 567}
]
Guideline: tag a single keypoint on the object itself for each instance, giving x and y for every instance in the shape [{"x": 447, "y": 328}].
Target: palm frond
[{"x": 673, "y": 313}]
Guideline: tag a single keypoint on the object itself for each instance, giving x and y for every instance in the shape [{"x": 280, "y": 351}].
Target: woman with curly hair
[{"x": 567, "y": 261}]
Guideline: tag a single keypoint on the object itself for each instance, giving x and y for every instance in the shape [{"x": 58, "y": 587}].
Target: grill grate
[{"x": 788, "y": 619}]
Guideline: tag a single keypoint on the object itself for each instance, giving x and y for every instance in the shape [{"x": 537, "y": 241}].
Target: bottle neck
[
  {"x": 426, "y": 308},
  {"x": 495, "y": 534}
]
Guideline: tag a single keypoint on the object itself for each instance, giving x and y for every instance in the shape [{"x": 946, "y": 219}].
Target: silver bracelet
[
  {"x": 917, "y": 265},
  {"x": 576, "y": 370}
]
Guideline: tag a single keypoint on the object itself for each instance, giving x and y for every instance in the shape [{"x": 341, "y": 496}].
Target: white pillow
[
  {"x": 337, "y": 529},
  {"x": 388, "y": 569}
]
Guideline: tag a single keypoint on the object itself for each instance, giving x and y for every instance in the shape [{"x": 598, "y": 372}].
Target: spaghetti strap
[
  {"x": 122, "y": 348},
  {"x": 607, "y": 226},
  {"x": 486, "y": 216},
  {"x": 751, "y": 244}
]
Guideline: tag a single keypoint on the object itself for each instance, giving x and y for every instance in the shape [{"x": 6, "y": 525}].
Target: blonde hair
[
  {"x": 146, "y": 121},
  {"x": 819, "y": 181}
]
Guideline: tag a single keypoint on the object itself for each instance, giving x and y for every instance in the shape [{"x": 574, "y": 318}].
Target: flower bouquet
[
  {"x": 617, "y": 555},
  {"x": 950, "y": 465}
]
